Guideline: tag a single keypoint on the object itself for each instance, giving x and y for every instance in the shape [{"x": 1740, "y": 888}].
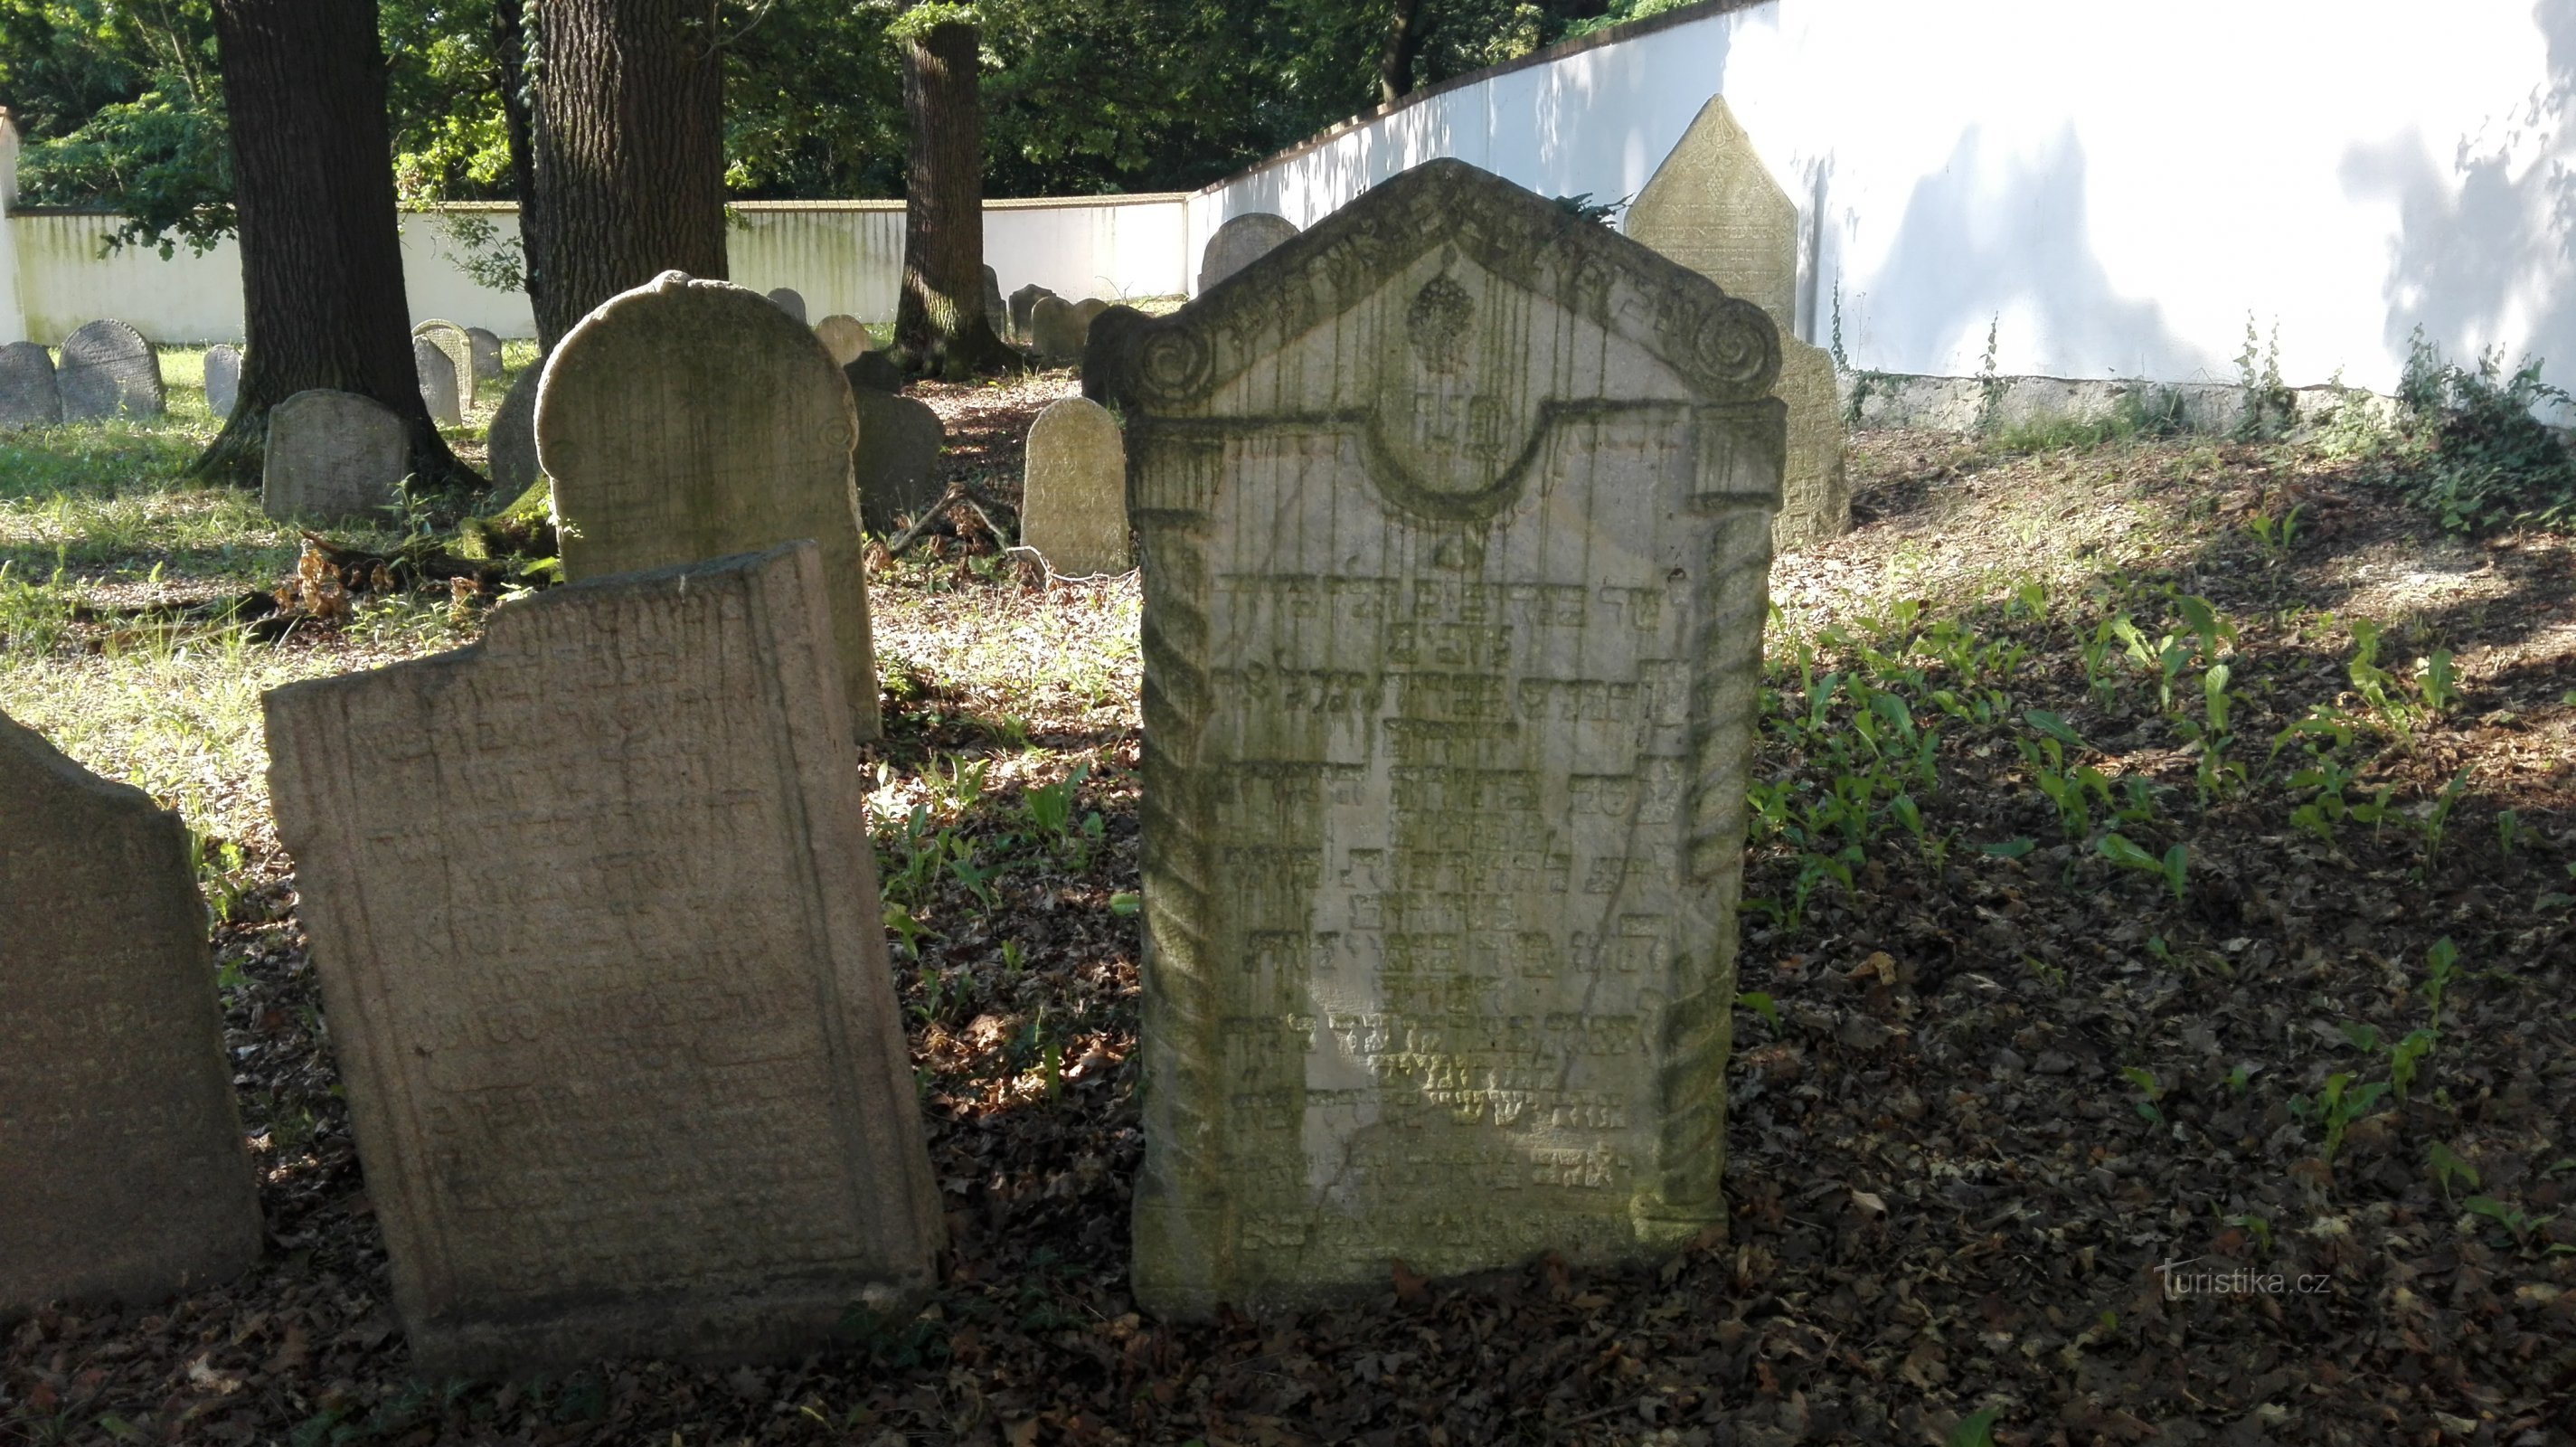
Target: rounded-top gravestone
[
  {"x": 27, "y": 394},
  {"x": 487, "y": 352},
  {"x": 108, "y": 370},
  {"x": 789, "y": 300},
  {"x": 451, "y": 339},
  {"x": 1021, "y": 303},
  {"x": 687, "y": 420},
  {"x": 1074, "y": 504},
  {"x": 1239, "y": 243},
  {"x": 844, "y": 337},
  {"x": 510, "y": 446},
  {"x": 332, "y": 457},
  {"x": 223, "y": 379},
  {"x": 1055, "y": 331},
  {"x": 897, "y": 458},
  {"x": 438, "y": 382}
]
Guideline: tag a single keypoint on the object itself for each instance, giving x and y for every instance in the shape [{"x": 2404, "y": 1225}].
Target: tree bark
[
  {"x": 940, "y": 326},
  {"x": 510, "y": 40},
  {"x": 321, "y": 248},
  {"x": 629, "y": 142},
  {"x": 1404, "y": 40}
]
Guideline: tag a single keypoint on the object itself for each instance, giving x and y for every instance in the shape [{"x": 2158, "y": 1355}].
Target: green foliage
[
  {"x": 2269, "y": 406},
  {"x": 2468, "y": 449}
]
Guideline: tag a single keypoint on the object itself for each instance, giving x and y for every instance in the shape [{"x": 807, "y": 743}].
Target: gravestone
[
  {"x": 125, "y": 1177},
  {"x": 1455, "y": 515},
  {"x": 1713, "y": 207},
  {"x": 510, "y": 444},
  {"x": 333, "y": 457},
  {"x": 1073, "y": 506},
  {"x": 223, "y": 379},
  {"x": 873, "y": 372},
  {"x": 108, "y": 370},
  {"x": 662, "y": 1107},
  {"x": 897, "y": 458},
  {"x": 1102, "y": 338},
  {"x": 1055, "y": 331},
  {"x": 1022, "y": 302},
  {"x": 452, "y": 339},
  {"x": 845, "y": 337},
  {"x": 996, "y": 312},
  {"x": 438, "y": 382},
  {"x": 1240, "y": 242},
  {"x": 486, "y": 345},
  {"x": 789, "y": 300},
  {"x": 1085, "y": 312},
  {"x": 27, "y": 394},
  {"x": 692, "y": 419}
]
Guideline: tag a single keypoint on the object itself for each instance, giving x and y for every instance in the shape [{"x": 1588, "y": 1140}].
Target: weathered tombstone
[
  {"x": 1713, "y": 207},
  {"x": 438, "y": 382},
  {"x": 125, "y": 1175},
  {"x": 459, "y": 347},
  {"x": 873, "y": 372},
  {"x": 28, "y": 397},
  {"x": 1455, "y": 516},
  {"x": 1240, "y": 242},
  {"x": 897, "y": 457},
  {"x": 1022, "y": 302},
  {"x": 1073, "y": 506},
  {"x": 996, "y": 313},
  {"x": 1055, "y": 331},
  {"x": 1086, "y": 310},
  {"x": 223, "y": 379},
  {"x": 662, "y": 1107},
  {"x": 510, "y": 445},
  {"x": 692, "y": 419},
  {"x": 789, "y": 300},
  {"x": 1101, "y": 338},
  {"x": 333, "y": 457},
  {"x": 845, "y": 337},
  {"x": 108, "y": 370},
  {"x": 486, "y": 346}
]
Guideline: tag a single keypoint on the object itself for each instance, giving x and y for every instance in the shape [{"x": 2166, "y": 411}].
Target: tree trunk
[
  {"x": 1403, "y": 48},
  {"x": 629, "y": 149},
  {"x": 321, "y": 249},
  {"x": 510, "y": 39},
  {"x": 939, "y": 324}
]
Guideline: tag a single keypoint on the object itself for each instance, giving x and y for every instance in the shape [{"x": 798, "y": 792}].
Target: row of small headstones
[{"x": 107, "y": 370}]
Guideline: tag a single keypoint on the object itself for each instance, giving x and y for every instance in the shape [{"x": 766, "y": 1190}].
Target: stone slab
[
  {"x": 223, "y": 379},
  {"x": 1456, "y": 527},
  {"x": 28, "y": 397},
  {"x": 1022, "y": 301},
  {"x": 107, "y": 369},
  {"x": 789, "y": 300},
  {"x": 125, "y": 1175},
  {"x": 1073, "y": 505},
  {"x": 693, "y": 419},
  {"x": 660, "y": 1106},
  {"x": 333, "y": 457},
  {"x": 845, "y": 337},
  {"x": 440, "y": 391},
  {"x": 1815, "y": 490},
  {"x": 510, "y": 445},
  {"x": 873, "y": 372},
  {"x": 1240, "y": 242},
  {"x": 1713, "y": 207},
  {"x": 996, "y": 311},
  {"x": 1055, "y": 331},
  {"x": 486, "y": 345},
  {"x": 458, "y": 344},
  {"x": 897, "y": 458}
]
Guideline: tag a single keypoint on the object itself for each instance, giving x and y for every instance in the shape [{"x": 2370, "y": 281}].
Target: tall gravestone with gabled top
[
  {"x": 1713, "y": 207},
  {"x": 1456, "y": 520},
  {"x": 691, "y": 419},
  {"x": 661, "y": 1104},
  {"x": 122, "y": 1173}
]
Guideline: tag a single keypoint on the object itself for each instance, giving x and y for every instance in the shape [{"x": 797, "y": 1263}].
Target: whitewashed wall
[
  {"x": 13, "y": 322},
  {"x": 2113, "y": 189}
]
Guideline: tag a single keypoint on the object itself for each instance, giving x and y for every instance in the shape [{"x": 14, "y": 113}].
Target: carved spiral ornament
[{"x": 1174, "y": 363}]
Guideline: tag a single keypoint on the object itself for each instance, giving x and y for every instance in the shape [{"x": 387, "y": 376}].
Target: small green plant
[
  {"x": 1977, "y": 1429},
  {"x": 2441, "y": 966},
  {"x": 1990, "y": 386},
  {"x": 2269, "y": 406},
  {"x": 2447, "y": 1167},
  {"x": 2437, "y": 818},
  {"x": 2337, "y": 1105},
  {"x": 1761, "y": 1004},
  {"x": 2149, "y": 1091},
  {"x": 2258, "y": 1227},
  {"x": 2468, "y": 448},
  {"x": 2172, "y": 866},
  {"x": 2274, "y": 535}
]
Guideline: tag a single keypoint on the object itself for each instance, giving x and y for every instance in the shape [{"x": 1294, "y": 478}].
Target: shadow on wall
[
  {"x": 1981, "y": 240},
  {"x": 2487, "y": 250}
]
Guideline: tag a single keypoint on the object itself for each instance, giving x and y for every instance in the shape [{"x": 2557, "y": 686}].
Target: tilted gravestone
[
  {"x": 333, "y": 457},
  {"x": 1455, "y": 515},
  {"x": 486, "y": 345},
  {"x": 1022, "y": 302},
  {"x": 438, "y": 382},
  {"x": 125, "y": 1176},
  {"x": 1713, "y": 207},
  {"x": 108, "y": 370},
  {"x": 1056, "y": 331},
  {"x": 662, "y": 1106},
  {"x": 1240, "y": 242},
  {"x": 873, "y": 372},
  {"x": 510, "y": 445},
  {"x": 451, "y": 339},
  {"x": 845, "y": 337},
  {"x": 996, "y": 312},
  {"x": 692, "y": 419},
  {"x": 223, "y": 379},
  {"x": 28, "y": 397},
  {"x": 897, "y": 458},
  {"x": 1073, "y": 504},
  {"x": 789, "y": 300}
]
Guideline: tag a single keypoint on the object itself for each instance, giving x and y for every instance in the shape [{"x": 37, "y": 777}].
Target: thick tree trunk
[
  {"x": 518, "y": 125},
  {"x": 1404, "y": 39},
  {"x": 630, "y": 152},
  {"x": 939, "y": 323},
  {"x": 313, "y": 183}
]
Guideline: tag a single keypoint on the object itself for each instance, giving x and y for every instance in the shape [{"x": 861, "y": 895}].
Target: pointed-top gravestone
[
  {"x": 692, "y": 419},
  {"x": 122, "y": 1173},
  {"x": 223, "y": 379},
  {"x": 661, "y": 1106},
  {"x": 107, "y": 369},
  {"x": 789, "y": 300},
  {"x": 452, "y": 340},
  {"x": 1456, "y": 517},
  {"x": 438, "y": 382},
  {"x": 1713, "y": 206},
  {"x": 486, "y": 345},
  {"x": 28, "y": 397},
  {"x": 1073, "y": 504},
  {"x": 333, "y": 457},
  {"x": 1239, "y": 243}
]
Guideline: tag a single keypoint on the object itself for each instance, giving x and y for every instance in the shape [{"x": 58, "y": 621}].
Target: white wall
[
  {"x": 13, "y": 322},
  {"x": 2113, "y": 189},
  {"x": 1112, "y": 247}
]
